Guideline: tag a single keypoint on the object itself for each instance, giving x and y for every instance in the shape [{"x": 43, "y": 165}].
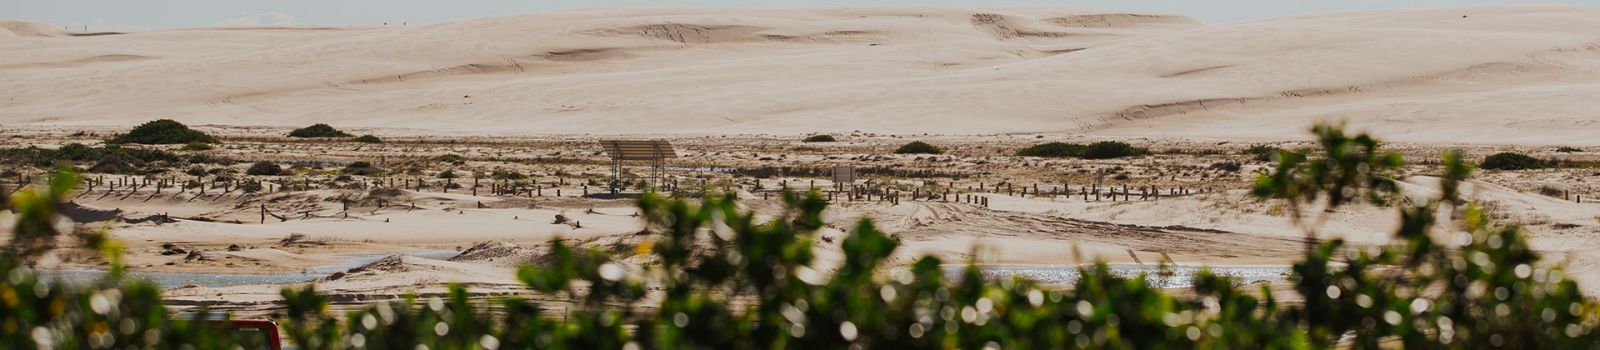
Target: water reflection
[
  {"x": 1178, "y": 276},
  {"x": 169, "y": 280}
]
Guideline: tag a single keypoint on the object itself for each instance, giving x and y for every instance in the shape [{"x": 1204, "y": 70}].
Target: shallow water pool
[
  {"x": 169, "y": 280},
  {"x": 1177, "y": 276}
]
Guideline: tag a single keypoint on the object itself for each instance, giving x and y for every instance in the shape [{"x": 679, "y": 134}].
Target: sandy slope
[{"x": 1511, "y": 74}]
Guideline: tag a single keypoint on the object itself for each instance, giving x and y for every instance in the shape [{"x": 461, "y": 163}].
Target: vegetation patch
[
  {"x": 820, "y": 138},
  {"x": 452, "y": 159},
  {"x": 361, "y": 168},
  {"x": 368, "y": 139},
  {"x": 264, "y": 169},
  {"x": 318, "y": 130},
  {"x": 198, "y": 146},
  {"x": 1512, "y": 161},
  {"x": 1263, "y": 153},
  {"x": 1112, "y": 149},
  {"x": 250, "y": 186},
  {"x": 1053, "y": 150},
  {"x": 1232, "y": 167},
  {"x": 107, "y": 159},
  {"x": 507, "y": 175},
  {"x": 918, "y": 147},
  {"x": 1565, "y": 149},
  {"x": 163, "y": 132}
]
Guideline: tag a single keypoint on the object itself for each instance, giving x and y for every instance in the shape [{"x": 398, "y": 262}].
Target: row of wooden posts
[
  {"x": 537, "y": 189},
  {"x": 1089, "y": 192}
]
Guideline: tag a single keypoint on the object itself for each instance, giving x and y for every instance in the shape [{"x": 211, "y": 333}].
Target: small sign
[{"x": 844, "y": 174}]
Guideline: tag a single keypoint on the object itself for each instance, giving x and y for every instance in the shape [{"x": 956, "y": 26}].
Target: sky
[{"x": 125, "y": 15}]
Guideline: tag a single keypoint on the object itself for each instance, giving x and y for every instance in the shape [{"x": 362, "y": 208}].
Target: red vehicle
[
  {"x": 252, "y": 334},
  {"x": 244, "y": 329}
]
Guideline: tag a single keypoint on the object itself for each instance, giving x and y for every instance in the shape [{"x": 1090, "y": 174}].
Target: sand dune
[
  {"x": 18, "y": 28},
  {"x": 1505, "y": 74}
]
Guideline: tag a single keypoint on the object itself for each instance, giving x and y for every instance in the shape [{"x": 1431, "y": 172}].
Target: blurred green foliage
[{"x": 720, "y": 278}]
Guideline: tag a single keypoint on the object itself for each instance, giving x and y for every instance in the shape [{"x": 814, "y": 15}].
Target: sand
[{"x": 1492, "y": 75}]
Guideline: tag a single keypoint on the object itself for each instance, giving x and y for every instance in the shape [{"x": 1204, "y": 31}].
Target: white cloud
[{"x": 259, "y": 19}]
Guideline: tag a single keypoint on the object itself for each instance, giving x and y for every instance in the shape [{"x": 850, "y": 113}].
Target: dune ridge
[{"x": 1490, "y": 74}]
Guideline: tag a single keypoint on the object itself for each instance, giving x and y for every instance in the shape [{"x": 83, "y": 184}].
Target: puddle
[
  {"x": 169, "y": 280},
  {"x": 1180, "y": 276}
]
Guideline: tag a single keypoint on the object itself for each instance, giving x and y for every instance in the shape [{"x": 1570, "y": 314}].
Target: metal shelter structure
[{"x": 656, "y": 152}]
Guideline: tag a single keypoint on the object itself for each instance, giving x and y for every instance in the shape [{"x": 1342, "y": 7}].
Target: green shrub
[
  {"x": 264, "y": 169},
  {"x": 1112, "y": 149},
  {"x": 318, "y": 130},
  {"x": 107, "y": 159},
  {"x": 368, "y": 139},
  {"x": 507, "y": 175},
  {"x": 198, "y": 146},
  {"x": 1232, "y": 167},
  {"x": 250, "y": 186},
  {"x": 452, "y": 159},
  {"x": 447, "y": 174},
  {"x": 819, "y": 138},
  {"x": 918, "y": 147},
  {"x": 1566, "y": 149},
  {"x": 1053, "y": 150},
  {"x": 1262, "y": 153},
  {"x": 1512, "y": 161},
  {"x": 361, "y": 168},
  {"x": 163, "y": 132}
]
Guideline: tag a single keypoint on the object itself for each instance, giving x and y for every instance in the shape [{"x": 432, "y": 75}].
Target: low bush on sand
[
  {"x": 819, "y": 138},
  {"x": 163, "y": 132},
  {"x": 318, "y": 130},
  {"x": 1053, "y": 150},
  {"x": 1512, "y": 161},
  {"x": 264, "y": 169},
  {"x": 918, "y": 147},
  {"x": 1112, "y": 149}
]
